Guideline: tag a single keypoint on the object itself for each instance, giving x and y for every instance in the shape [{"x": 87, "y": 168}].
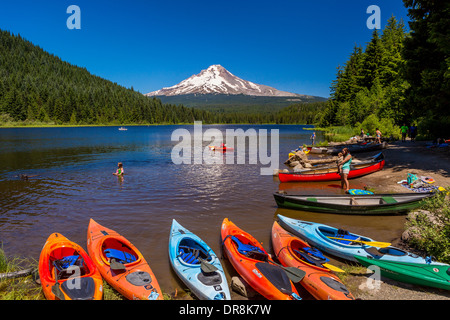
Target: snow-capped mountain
[{"x": 217, "y": 80}]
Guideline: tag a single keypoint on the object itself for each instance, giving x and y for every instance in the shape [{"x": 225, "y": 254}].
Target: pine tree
[{"x": 427, "y": 54}]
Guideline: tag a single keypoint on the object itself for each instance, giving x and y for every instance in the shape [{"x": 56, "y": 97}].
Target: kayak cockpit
[
  {"x": 117, "y": 251},
  {"x": 191, "y": 252},
  {"x": 67, "y": 262},
  {"x": 347, "y": 237}
]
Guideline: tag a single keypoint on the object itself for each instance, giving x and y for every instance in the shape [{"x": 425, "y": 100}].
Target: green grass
[
  {"x": 24, "y": 288},
  {"x": 433, "y": 237}
]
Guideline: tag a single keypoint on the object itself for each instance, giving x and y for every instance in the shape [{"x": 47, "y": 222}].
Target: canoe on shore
[
  {"x": 330, "y": 173},
  {"x": 347, "y": 245},
  {"x": 432, "y": 275},
  {"x": 353, "y": 148},
  {"x": 366, "y": 204}
]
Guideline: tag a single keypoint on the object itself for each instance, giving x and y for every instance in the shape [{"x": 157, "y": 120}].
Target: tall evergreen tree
[{"x": 427, "y": 54}]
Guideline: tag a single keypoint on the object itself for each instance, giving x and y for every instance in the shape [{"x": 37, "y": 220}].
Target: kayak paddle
[
  {"x": 207, "y": 267},
  {"x": 369, "y": 243},
  {"x": 294, "y": 274},
  {"x": 332, "y": 268},
  {"x": 56, "y": 290}
]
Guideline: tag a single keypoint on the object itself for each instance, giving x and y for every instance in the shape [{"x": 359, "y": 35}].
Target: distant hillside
[
  {"x": 38, "y": 86},
  {"x": 237, "y": 103}
]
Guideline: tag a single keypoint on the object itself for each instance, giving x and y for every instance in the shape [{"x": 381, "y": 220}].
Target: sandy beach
[{"x": 402, "y": 158}]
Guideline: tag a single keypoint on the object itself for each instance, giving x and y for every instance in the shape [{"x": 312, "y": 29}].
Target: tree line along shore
[{"x": 398, "y": 77}]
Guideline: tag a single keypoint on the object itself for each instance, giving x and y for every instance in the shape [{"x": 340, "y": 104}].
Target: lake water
[{"x": 74, "y": 182}]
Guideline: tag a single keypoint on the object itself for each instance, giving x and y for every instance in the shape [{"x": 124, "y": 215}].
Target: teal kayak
[
  {"x": 197, "y": 265},
  {"x": 347, "y": 245}
]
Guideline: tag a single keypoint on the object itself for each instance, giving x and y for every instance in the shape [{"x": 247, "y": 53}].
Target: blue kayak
[
  {"x": 197, "y": 265},
  {"x": 317, "y": 235}
]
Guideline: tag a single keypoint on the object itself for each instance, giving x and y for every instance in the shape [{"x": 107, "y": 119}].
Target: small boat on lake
[
  {"x": 123, "y": 129},
  {"x": 364, "y": 204},
  {"x": 330, "y": 173}
]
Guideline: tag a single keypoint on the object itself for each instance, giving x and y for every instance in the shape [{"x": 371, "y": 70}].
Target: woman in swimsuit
[{"x": 345, "y": 169}]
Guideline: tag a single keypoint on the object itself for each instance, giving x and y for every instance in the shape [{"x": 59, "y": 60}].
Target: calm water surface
[{"x": 74, "y": 183}]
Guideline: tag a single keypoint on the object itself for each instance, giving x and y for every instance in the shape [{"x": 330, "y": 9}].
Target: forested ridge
[
  {"x": 39, "y": 88},
  {"x": 398, "y": 77}
]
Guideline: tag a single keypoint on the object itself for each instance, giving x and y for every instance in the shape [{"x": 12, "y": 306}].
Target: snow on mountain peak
[{"x": 218, "y": 80}]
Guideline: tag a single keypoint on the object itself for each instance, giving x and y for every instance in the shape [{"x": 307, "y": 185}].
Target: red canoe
[{"x": 331, "y": 174}]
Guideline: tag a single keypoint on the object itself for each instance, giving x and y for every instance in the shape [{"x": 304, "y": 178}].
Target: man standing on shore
[
  {"x": 313, "y": 137},
  {"x": 413, "y": 132},
  {"x": 404, "y": 131}
]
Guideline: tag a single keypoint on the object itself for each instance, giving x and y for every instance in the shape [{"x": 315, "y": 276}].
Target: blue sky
[{"x": 292, "y": 45}]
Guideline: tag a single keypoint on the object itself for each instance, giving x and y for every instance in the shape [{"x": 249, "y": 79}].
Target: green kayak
[{"x": 432, "y": 275}]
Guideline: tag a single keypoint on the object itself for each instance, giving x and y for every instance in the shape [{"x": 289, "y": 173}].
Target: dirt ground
[{"x": 402, "y": 158}]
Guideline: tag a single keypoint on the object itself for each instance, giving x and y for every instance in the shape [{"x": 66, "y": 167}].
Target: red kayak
[
  {"x": 331, "y": 174},
  {"x": 255, "y": 265}
]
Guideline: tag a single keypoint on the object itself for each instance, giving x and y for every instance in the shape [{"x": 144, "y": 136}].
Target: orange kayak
[
  {"x": 319, "y": 280},
  {"x": 121, "y": 264},
  {"x": 254, "y": 264},
  {"x": 67, "y": 272}
]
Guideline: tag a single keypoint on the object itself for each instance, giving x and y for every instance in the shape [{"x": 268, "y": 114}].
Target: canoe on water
[
  {"x": 67, "y": 272},
  {"x": 254, "y": 264},
  {"x": 197, "y": 265},
  {"x": 291, "y": 251},
  {"x": 431, "y": 274},
  {"x": 362, "y": 204},
  {"x": 330, "y": 173},
  {"x": 121, "y": 264}
]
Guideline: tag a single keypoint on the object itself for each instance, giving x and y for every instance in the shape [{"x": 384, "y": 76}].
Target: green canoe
[
  {"x": 432, "y": 275},
  {"x": 369, "y": 204}
]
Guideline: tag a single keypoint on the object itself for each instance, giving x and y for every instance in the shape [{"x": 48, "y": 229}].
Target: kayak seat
[
  {"x": 188, "y": 256},
  {"x": 120, "y": 256},
  {"x": 344, "y": 234},
  {"x": 311, "y": 199},
  {"x": 312, "y": 256},
  {"x": 66, "y": 262},
  {"x": 249, "y": 250},
  {"x": 387, "y": 200}
]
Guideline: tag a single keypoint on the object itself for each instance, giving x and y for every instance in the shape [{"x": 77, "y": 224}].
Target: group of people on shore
[{"x": 408, "y": 131}]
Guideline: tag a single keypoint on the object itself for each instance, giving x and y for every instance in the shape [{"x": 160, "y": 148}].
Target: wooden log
[{"x": 17, "y": 274}]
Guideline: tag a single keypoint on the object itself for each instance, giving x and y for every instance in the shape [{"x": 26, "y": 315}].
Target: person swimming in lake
[{"x": 119, "y": 171}]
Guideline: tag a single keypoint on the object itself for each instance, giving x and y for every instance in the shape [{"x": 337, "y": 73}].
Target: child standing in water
[{"x": 119, "y": 171}]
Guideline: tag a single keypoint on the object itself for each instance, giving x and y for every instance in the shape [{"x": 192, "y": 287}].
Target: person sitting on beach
[
  {"x": 338, "y": 161},
  {"x": 119, "y": 171}
]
